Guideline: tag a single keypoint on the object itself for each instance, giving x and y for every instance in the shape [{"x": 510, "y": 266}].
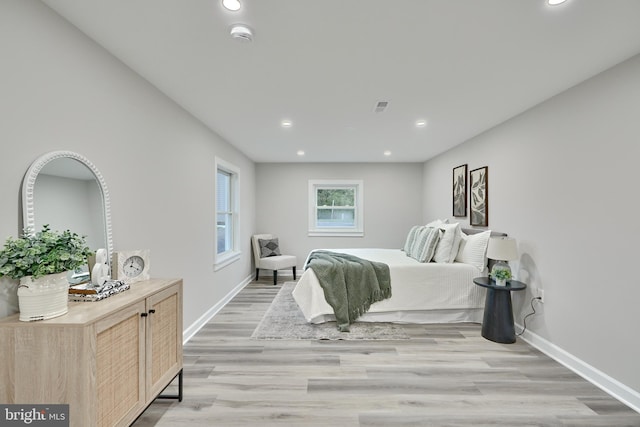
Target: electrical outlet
[{"x": 541, "y": 295}]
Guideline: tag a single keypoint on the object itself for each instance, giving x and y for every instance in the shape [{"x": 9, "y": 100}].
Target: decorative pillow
[
  {"x": 473, "y": 249},
  {"x": 449, "y": 243},
  {"x": 269, "y": 247},
  {"x": 411, "y": 237},
  {"x": 437, "y": 223},
  {"x": 425, "y": 244}
]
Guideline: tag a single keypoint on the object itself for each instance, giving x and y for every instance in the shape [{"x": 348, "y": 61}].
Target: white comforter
[{"x": 421, "y": 292}]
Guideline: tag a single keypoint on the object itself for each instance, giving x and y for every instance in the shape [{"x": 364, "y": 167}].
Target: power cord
[{"x": 524, "y": 321}]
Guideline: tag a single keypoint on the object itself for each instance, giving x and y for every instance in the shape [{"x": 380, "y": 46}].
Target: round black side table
[{"x": 497, "y": 323}]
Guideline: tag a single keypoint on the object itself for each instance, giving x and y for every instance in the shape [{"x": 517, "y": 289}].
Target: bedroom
[{"x": 560, "y": 175}]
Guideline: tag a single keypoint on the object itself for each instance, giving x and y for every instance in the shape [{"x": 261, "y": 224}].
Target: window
[
  {"x": 336, "y": 208},
  {"x": 227, "y": 196}
]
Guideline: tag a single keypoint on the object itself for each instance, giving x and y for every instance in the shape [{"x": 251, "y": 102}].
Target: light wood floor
[{"x": 445, "y": 375}]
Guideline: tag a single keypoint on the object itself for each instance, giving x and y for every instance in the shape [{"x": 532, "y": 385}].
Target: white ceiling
[{"x": 463, "y": 65}]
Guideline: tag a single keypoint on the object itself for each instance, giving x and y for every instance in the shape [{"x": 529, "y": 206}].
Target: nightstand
[{"x": 497, "y": 323}]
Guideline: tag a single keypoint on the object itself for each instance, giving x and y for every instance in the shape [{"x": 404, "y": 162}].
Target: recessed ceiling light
[
  {"x": 241, "y": 32},
  {"x": 286, "y": 123},
  {"x": 300, "y": 153},
  {"x": 231, "y": 4},
  {"x": 555, "y": 2},
  {"x": 387, "y": 153},
  {"x": 421, "y": 123}
]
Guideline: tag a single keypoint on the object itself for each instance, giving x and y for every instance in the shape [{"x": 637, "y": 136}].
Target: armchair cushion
[
  {"x": 278, "y": 262},
  {"x": 269, "y": 247}
]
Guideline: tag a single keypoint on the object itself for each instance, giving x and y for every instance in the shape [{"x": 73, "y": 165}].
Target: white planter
[
  {"x": 501, "y": 282},
  {"x": 43, "y": 298}
]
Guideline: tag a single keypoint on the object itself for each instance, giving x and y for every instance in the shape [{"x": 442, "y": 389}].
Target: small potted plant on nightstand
[
  {"x": 41, "y": 262},
  {"x": 501, "y": 276}
]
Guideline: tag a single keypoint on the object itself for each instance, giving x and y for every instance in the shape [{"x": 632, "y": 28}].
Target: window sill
[{"x": 223, "y": 261}]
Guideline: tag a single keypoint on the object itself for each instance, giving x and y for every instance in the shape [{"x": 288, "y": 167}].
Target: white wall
[
  {"x": 563, "y": 182},
  {"x": 392, "y": 203},
  {"x": 61, "y": 91}
]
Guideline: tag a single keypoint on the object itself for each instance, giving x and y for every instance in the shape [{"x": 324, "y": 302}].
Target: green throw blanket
[{"x": 351, "y": 284}]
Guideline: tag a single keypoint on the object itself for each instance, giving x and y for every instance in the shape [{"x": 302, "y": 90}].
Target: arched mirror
[{"x": 65, "y": 190}]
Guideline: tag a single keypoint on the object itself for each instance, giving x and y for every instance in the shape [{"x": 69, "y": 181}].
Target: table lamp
[{"x": 501, "y": 249}]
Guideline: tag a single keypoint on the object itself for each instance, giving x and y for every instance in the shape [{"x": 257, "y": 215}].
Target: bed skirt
[{"x": 468, "y": 315}]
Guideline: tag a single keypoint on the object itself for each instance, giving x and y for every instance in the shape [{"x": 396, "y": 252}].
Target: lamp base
[{"x": 500, "y": 265}]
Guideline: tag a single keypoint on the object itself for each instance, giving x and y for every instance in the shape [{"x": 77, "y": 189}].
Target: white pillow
[
  {"x": 447, "y": 248},
  {"x": 425, "y": 244},
  {"x": 437, "y": 223},
  {"x": 473, "y": 249}
]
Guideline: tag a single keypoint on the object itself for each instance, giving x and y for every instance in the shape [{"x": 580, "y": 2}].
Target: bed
[{"x": 422, "y": 292}]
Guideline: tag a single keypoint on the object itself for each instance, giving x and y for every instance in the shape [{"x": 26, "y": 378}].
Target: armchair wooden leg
[
  {"x": 275, "y": 277},
  {"x": 294, "y": 273},
  {"x": 257, "y": 273}
]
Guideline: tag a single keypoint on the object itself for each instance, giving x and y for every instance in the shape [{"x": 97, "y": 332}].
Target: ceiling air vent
[{"x": 381, "y": 106}]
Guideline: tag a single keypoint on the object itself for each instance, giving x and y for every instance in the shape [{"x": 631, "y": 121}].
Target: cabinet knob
[
  {"x": 143, "y": 314},
  {"x": 153, "y": 310}
]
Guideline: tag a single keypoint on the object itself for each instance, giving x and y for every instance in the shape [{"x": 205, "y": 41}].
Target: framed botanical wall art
[
  {"x": 479, "y": 196},
  {"x": 460, "y": 190}
]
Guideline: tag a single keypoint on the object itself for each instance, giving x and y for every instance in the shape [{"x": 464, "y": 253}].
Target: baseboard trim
[
  {"x": 609, "y": 385},
  {"x": 193, "y": 329}
]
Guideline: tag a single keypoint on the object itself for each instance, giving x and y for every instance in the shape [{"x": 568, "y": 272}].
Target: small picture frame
[
  {"x": 479, "y": 196},
  {"x": 460, "y": 190}
]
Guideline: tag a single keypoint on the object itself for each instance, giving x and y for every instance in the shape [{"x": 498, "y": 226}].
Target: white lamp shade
[{"x": 502, "y": 249}]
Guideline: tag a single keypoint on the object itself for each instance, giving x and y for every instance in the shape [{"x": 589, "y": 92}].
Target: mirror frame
[{"x": 28, "y": 187}]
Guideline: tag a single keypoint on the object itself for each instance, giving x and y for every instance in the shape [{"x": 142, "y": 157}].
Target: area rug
[{"x": 284, "y": 321}]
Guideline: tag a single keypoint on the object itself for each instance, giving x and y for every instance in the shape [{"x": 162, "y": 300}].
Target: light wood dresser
[{"x": 108, "y": 359}]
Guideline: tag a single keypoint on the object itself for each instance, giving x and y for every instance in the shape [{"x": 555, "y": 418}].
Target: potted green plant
[
  {"x": 41, "y": 261},
  {"x": 501, "y": 276}
]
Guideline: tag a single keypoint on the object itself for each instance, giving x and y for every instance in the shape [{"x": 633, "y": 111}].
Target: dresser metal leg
[{"x": 174, "y": 396}]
